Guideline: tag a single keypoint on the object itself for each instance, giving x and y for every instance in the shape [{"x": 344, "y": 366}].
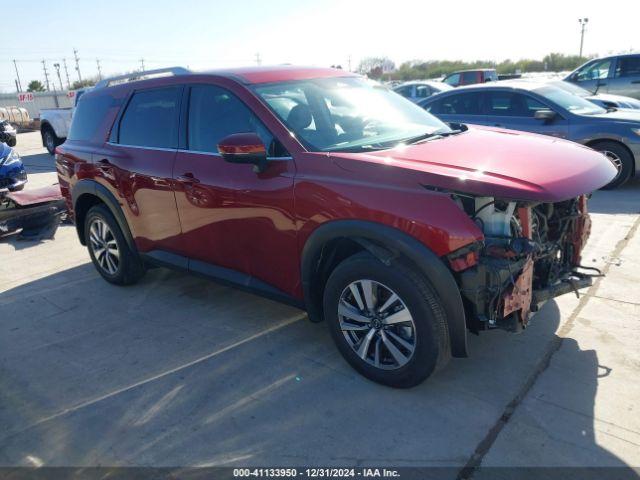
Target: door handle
[
  {"x": 104, "y": 164},
  {"x": 187, "y": 178}
]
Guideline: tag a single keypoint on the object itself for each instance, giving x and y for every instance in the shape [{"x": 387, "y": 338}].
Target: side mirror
[
  {"x": 244, "y": 148},
  {"x": 544, "y": 114}
]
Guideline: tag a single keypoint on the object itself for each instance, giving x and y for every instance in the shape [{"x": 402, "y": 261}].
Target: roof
[
  {"x": 246, "y": 75},
  {"x": 513, "y": 84}
]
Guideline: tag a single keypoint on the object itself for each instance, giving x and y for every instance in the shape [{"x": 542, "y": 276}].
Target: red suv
[{"x": 325, "y": 190}]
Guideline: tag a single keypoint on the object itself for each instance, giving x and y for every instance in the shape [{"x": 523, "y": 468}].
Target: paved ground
[{"x": 181, "y": 371}]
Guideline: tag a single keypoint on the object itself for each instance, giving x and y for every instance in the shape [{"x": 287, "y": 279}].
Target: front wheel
[
  {"x": 621, "y": 159},
  {"x": 386, "y": 321}
]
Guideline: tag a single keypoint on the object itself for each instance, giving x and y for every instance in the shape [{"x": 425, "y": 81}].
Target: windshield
[
  {"x": 572, "y": 88},
  {"x": 348, "y": 114},
  {"x": 569, "y": 101}
]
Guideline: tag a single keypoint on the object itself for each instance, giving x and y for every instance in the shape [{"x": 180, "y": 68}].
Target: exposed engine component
[{"x": 530, "y": 254}]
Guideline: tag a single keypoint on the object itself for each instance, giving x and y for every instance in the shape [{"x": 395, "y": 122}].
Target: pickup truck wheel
[
  {"x": 12, "y": 142},
  {"x": 109, "y": 250},
  {"x": 386, "y": 321},
  {"x": 621, "y": 159},
  {"x": 50, "y": 140}
]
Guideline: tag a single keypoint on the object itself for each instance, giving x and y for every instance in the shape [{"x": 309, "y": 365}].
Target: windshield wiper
[{"x": 427, "y": 136}]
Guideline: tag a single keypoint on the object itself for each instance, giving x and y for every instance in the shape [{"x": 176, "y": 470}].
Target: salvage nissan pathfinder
[{"x": 328, "y": 191}]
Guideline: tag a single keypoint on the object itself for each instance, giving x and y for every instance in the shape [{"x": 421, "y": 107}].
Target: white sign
[{"x": 25, "y": 97}]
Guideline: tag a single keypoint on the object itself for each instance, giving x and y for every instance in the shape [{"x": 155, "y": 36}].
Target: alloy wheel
[
  {"x": 615, "y": 159},
  {"x": 377, "y": 324},
  {"x": 104, "y": 246}
]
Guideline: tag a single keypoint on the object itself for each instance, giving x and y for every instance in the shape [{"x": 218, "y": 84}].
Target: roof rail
[{"x": 136, "y": 76}]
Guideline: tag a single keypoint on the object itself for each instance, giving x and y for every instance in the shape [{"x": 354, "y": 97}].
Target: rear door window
[
  {"x": 628, "y": 67},
  {"x": 151, "y": 118}
]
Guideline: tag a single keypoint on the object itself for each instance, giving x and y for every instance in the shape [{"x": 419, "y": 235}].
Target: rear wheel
[
  {"x": 387, "y": 321},
  {"x": 621, "y": 159},
  {"x": 109, "y": 251}
]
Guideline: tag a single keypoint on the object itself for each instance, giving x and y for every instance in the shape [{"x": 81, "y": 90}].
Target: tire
[
  {"x": 120, "y": 267},
  {"x": 12, "y": 142},
  {"x": 621, "y": 157},
  {"x": 426, "y": 332},
  {"x": 50, "y": 140}
]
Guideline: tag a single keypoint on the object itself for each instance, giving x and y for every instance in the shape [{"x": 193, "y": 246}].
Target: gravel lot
[{"x": 179, "y": 371}]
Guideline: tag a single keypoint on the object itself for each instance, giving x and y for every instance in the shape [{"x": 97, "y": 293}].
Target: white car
[
  {"x": 419, "y": 90},
  {"x": 55, "y": 122}
]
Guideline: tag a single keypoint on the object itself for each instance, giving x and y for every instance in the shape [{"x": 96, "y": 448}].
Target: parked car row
[
  {"x": 322, "y": 189},
  {"x": 546, "y": 109}
]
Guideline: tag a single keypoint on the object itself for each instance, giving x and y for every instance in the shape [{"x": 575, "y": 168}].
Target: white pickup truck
[{"x": 55, "y": 122}]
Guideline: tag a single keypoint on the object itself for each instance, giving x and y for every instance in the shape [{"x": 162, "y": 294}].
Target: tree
[
  {"x": 35, "y": 86},
  {"x": 375, "y": 67},
  {"x": 87, "y": 82}
]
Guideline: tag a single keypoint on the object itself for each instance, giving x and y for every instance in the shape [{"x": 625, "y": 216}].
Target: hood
[
  {"x": 619, "y": 100},
  {"x": 501, "y": 163},
  {"x": 624, "y": 116}
]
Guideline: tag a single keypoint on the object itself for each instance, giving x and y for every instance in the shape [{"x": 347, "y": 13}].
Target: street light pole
[
  {"x": 57, "y": 67},
  {"x": 583, "y": 23}
]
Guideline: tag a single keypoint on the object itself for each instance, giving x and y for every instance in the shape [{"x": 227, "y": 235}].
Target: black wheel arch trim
[
  {"x": 91, "y": 187},
  {"x": 387, "y": 243}
]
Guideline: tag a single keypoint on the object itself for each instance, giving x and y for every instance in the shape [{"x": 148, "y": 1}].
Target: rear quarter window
[{"x": 88, "y": 116}]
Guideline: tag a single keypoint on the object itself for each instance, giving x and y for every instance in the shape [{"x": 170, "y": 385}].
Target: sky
[{"x": 203, "y": 34}]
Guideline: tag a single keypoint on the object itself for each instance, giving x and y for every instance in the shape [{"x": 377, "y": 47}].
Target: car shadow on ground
[
  {"x": 624, "y": 199},
  {"x": 179, "y": 371}
]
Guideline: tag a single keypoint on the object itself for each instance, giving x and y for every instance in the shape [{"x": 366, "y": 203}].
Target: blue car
[
  {"x": 545, "y": 109},
  {"x": 13, "y": 175}
]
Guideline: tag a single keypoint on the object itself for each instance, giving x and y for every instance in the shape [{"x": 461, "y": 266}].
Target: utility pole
[
  {"x": 66, "y": 73},
  {"x": 349, "y": 62},
  {"x": 99, "y": 69},
  {"x": 46, "y": 74},
  {"x": 75, "y": 54},
  {"x": 258, "y": 59},
  {"x": 18, "y": 76},
  {"x": 583, "y": 23},
  {"x": 57, "y": 67},
  {"x": 142, "y": 64}
]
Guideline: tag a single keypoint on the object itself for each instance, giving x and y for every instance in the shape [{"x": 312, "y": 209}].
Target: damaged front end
[{"x": 531, "y": 253}]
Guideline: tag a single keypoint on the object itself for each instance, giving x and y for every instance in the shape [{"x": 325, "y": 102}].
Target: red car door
[{"x": 232, "y": 217}]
